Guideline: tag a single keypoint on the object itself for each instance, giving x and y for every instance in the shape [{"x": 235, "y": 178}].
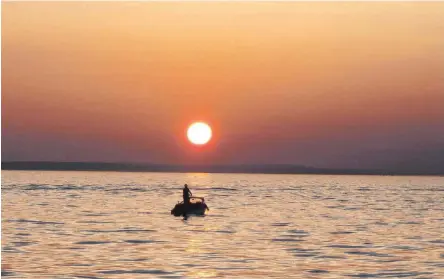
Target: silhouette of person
[{"x": 186, "y": 194}]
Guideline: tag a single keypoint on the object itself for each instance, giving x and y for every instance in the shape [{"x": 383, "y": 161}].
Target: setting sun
[{"x": 199, "y": 133}]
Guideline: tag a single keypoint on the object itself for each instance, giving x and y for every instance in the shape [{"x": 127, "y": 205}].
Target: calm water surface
[{"x": 118, "y": 225}]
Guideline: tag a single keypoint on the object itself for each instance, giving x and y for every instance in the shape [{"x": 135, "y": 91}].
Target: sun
[{"x": 199, "y": 133}]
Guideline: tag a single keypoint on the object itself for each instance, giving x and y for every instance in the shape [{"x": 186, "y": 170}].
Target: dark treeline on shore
[{"x": 266, "y": 169}]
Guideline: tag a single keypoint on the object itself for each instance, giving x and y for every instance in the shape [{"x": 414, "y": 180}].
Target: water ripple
[{"x": 95, "y": 225}]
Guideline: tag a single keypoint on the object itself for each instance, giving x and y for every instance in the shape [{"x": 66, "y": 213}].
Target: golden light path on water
[{"x": 118, "y": 225}]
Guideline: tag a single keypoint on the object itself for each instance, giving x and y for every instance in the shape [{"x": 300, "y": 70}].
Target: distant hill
[{"x": 140, "y": 167}]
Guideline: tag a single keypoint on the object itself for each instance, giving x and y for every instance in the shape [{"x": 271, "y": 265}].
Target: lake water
[{"x": 118, "y": 225}]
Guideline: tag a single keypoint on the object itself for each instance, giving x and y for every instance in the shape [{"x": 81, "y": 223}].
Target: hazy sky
[{"x": 324, "y": 84}]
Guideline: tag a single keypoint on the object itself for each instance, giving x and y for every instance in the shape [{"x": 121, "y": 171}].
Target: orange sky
[{"x": 311, "y": 83}]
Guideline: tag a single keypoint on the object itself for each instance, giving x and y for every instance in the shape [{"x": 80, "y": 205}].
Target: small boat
[{"x": 197, "y": 206}]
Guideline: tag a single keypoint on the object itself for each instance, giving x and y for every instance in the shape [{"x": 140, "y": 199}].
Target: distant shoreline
[{"x": 247, "y": 169}]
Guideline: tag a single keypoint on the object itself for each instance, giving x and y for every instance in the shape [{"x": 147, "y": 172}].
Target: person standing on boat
[{"x": 186, "y": 194}]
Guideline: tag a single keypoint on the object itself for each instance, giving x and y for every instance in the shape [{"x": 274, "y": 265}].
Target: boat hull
[{"x": 192, "y": 209}]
